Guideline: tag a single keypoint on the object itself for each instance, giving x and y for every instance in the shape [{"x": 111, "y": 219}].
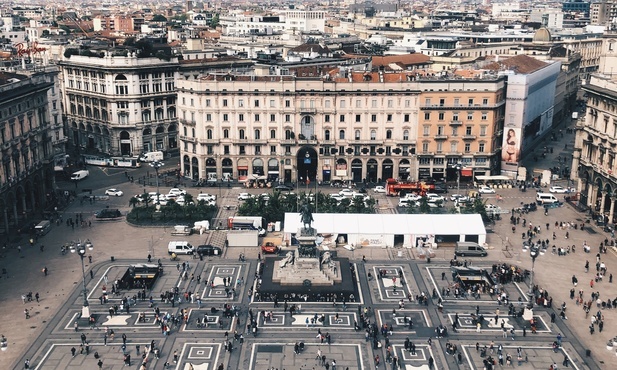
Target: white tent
[{"x": 381, "y": 229}]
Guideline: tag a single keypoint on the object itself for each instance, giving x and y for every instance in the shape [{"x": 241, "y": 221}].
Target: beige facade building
[
  {"x": 120, "y": 105},
  {"x": 594, "y": 164},
  {"x": 347, "y": 126},
  {"x": 27, "y": 136}
]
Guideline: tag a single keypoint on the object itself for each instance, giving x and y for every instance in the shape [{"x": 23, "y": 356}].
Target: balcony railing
[
  {"x": 456, "y": 123},
  {"x": 469, "y": 137},
  {"x": 187, "y": 138},
  {"x": 441, "y": 137}
]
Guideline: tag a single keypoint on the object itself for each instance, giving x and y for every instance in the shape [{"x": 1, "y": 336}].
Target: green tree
[
  {"x": 215, "y": 20},
  {"x": 133, "y": 202},
  {"x": 159, "y": 18}
]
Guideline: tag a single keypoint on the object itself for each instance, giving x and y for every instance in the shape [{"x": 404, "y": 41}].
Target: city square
[{"x": 204, "y": 333}]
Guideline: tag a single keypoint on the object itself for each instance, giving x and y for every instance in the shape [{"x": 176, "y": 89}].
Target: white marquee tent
[{"x": 382, "y": 229}]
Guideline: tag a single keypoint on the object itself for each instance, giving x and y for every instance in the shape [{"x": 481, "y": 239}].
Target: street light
[
  {"x": 533, "y": 252},
  {"x": 458, "y": 168},
  {"x": 81, "y": 250},
  {"x": 156, "y": 165}
]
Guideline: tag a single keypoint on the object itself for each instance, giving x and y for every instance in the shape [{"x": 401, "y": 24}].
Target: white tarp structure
[{"x": 382, "y": 229}]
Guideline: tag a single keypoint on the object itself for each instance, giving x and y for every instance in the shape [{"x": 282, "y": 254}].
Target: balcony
[
  {"x": 190, "y": 139},
  {"x": 469, "y": 137},
  {"x": 288, "y": 142},
  {"x": 308, "y": 110},
  {"x": 441, "y": 137},
  {"x": 461, "y": 106},
  {"x": 456, "y": 123},
  {"x": 209, "y": 141}
]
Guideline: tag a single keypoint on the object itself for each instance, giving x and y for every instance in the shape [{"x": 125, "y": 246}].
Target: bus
[{"x": 124, "y": 162}]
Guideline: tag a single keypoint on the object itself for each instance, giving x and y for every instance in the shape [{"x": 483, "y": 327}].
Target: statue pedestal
[{"x": 306, "y": 269}]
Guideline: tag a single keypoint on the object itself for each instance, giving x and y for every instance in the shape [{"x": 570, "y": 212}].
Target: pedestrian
[
  {"x": 83, "y": 338},
  {"x": 73, "y": 350},
  {"x": 27, "y": 313},
  {"x": 27, "y": 364},
  {"x": 45, "y": 270},
  {"x": 100, "y": 363}
]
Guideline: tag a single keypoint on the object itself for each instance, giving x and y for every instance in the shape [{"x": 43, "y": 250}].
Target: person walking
[{"x": 100, "y": 363}]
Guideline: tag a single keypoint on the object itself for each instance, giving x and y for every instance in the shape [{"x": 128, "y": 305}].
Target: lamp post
[
  {"x": 156, "y": 165},
  {"x": 533, "y": 252},
  {"x": 458, "y": 168},
  {"x": 81, "y": 250}
]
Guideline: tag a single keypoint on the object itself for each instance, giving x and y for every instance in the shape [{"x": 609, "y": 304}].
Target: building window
[
  {"x": 482, "y": 130},
  {"x": 257, "y": 149},
  {"x": 440, "y": 147},
  {"x": 358, "y": 103},
  {"x": 226, "y": 149},
  {"x": 453, "y": 146},
  {"x": 373, "y": 135},
  {"x": 467, "y": 147},
  {"x": 257, "y": 117},
  {"x": 373, "y": 118},
  {"x": 470, "y": 102},
  {"x": 209, "y": 134},
  {"x": 272, "y": 118},
  {"x": 469, "y": 116},
  {"x": 287, "y": 134},
  {"x": 485, "y": 101},
  {"x": 272, "y": 149},
  {"x": 454, "y": 131},
  {"x": 374, "y": 103},
  {"x": 358, "y": 117},
  {"x": 342, "y": 118},
  {"x": 357, "y": 134},
  {"x": 224, "y": 102},
  {"x": 257, "y": 134},
  {"x": 287, "y": 118},
  {"x": 484, "y": 116},
  {"x": 327, "y": 118},
  {"x": 225, "y": 117},
  {"x": 327, "y": 135},
  {"x": 457, "y": 102},
  {"x": 256, "y": 103},
  {"x": 406, "y": 118},
  {"x": 441, "y": 116},
  {"x": 272, "y": 103},
  {"x": 406, "y": 135},
  {"x": 287, "y": 103},
  {"x": 389, "y": 118},
  {"x": 481, "y": 147},
  {"x": 342, "y": 104},
  {"x": 455, "y": 116},
  {"x": 388, "y": 134},
  {"x": 341, "y": 135},
  {"x": 426, "y": 130},
  {"x": 427, "y": 101},
  {"x": 208, "y": 117},
  {"x": 468, "y": 130},
  {"x": 427, "y": 116},
  {"x": 241, "y": 117},
  {"x": 272, "y": 134},
  {"x": 390, "y": 103},
  {"x": 440, "y": 130},
  {"x": 226, "y": 134},
  {"x": 241, "y": 149},
  {"x": 327, "y": 103},
  {"x": 241, "y": 134}
]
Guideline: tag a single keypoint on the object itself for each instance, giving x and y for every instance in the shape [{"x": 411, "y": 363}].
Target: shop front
[
  {"x": 273, "y": 170},
  {"x": 227, "y": 169},
  {"x": 243, "y": 170}
]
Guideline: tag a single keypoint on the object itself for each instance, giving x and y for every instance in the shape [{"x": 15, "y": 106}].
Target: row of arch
[{"x": 273, "y": 168}]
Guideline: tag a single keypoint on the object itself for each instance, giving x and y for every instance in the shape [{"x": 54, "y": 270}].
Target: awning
[
  {"x": 467, "y": 172},
  {"x": 243, "y": 167}
]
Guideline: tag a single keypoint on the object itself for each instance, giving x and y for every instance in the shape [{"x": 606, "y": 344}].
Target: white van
[
  {"x": 470, "y": 249},
  {"x": 181, "y": 230},
  {"x": 42, "y": 228},
  {"x": 546, "y": 198},
  {"x": 180, "y": 248},
  {"x": 152, "y": 156},
  {"x": 79, "y": 175}
]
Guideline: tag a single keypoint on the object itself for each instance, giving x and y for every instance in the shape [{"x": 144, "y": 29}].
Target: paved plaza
[{"x": 208, "y": 325}]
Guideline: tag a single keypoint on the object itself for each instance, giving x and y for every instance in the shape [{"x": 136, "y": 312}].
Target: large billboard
[{"x": 511, "y": 149}]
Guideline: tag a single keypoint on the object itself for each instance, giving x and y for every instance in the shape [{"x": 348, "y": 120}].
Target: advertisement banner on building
[
  {"x": 366, "y": 240},
  {"x": 511, "y": 149}
]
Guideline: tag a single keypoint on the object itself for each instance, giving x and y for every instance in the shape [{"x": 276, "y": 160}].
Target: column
[
  {"x": 6, "y": 221},
  {"x": 589, "y": 194},
  {"x": 602, "y": 201},
  {"x": 610, "y": 215},
  {"x": 23, "y": 204}
]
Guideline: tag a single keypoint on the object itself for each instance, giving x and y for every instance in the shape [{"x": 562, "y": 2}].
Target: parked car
[
  {"x": 283, "y": 187},
  {"x": 176, "y": 192},
  {"x": 206, "y": 197},
  {"x": 379, "y": 189},
  {"x": 337, "y": 197},
  {"x": 434, "y": 198},
  {"x": 486, "y": 190},
  {"x": 208, "y": 250},
  {"x": 244, "y": 196},
  {"x": 114, "y": 192},
  {"x": 455, "y": 197},
  {"x": 269, "y": 247},
  {"x": 346, "y": 192},
  {"x": 558, "y": 189}
]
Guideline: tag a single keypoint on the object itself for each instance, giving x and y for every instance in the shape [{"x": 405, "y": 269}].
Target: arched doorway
[
  {"x": 125, "y": 143},
  {"x": 356, "y": 170},
  {"x": 172, "y": 139},
  {"x": 403, "y": 169},
  {"x": 387, "y": 169},
  {"x": 146, "y": 138},
  {"x": 307, "y": 163},
  {"x": 227, "y": 166},
  {"x": 258, "y": 167},
  {"x": 273, "y": 170},
  {"x": 341, "y": 172},
  {"x": 186, "y": 168},
  {"x": 371, "y": 170},
  {"x": 195, "y": 168},
  {"x": 243, "y": 169},
  {"x": 211, "y": 169}
]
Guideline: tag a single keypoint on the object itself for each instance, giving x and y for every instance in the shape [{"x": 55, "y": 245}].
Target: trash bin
[{"x": 113, "y": 258}]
